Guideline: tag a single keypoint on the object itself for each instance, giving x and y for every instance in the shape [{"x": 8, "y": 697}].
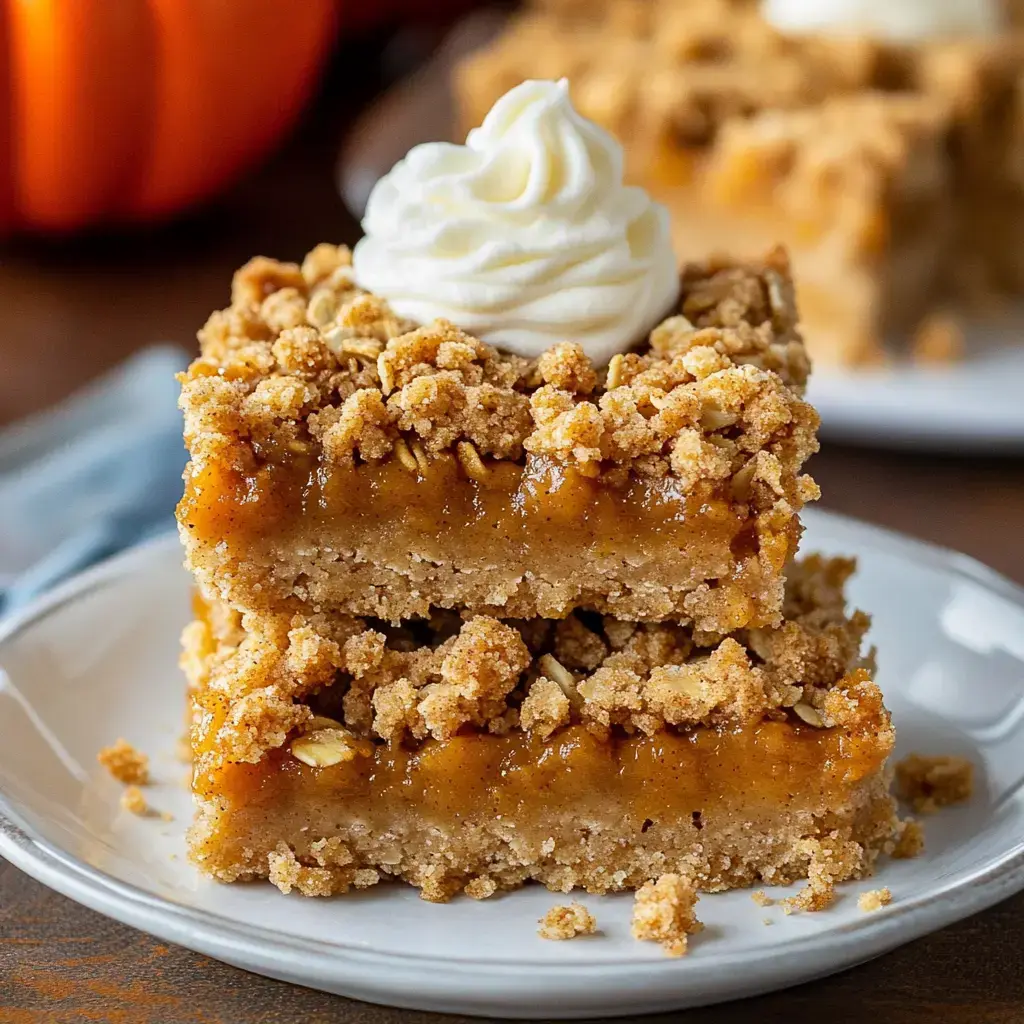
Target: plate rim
[{"x": 251, "y": 944}]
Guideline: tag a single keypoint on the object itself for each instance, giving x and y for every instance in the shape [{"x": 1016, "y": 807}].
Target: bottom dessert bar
[{"x": 476, "y": 755}]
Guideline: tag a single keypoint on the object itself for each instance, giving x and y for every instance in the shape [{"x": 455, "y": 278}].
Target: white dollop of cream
[
  {"x": 525, "y": 236},
  {"x": 902, "y": 21}
]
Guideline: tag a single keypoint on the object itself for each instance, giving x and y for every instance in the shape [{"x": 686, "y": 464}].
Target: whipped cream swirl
[
  {"x": 903, "y": 21},
  {"x": 525, "y": 236}
]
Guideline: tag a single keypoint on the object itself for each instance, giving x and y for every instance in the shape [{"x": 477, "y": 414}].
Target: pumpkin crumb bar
[
  {"x": 474, "y": 754},
  {"x": 346, "y": 461}
]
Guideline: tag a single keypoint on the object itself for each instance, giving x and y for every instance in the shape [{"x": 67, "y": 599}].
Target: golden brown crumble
[
  {"x": 421, "y": 680},
  {"x": 910, "y": 840},
  {"x": 330, "y": 875},
  {"x": 762, "y": 899},
  {"x": 133, "y": 801},
  {"x": 928, "y": 783},
  {"x": 125, "y": 763},
  {"x": 663, "y": 911},
  {"x": 874, "y": 899},
  {"x": 939, "y": 340},
  {"x": 716, "y": 387},
  {"x": 566, "y": 922},
  {"x": 832, "y": 860},
  {"x": 481, "y": 888}
]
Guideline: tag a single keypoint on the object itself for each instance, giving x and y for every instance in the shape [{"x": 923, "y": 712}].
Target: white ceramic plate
[
  {"x": 974, "y": 405},
  {"x": 96, "y": 660}
]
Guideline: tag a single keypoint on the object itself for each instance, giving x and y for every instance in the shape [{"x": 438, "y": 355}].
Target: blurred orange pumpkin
[{"x": 123, "y": 110}]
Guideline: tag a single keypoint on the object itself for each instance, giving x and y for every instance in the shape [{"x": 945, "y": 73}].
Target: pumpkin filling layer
[
  {"x": 724, "y": 807},
  {"x": 539, "y": 537}
]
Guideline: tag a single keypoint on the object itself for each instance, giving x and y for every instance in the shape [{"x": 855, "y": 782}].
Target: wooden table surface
[{"x": 70, "y": 310}]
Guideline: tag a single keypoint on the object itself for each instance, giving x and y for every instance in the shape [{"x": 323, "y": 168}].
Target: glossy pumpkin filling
[
  {"x": 473, "y": 775},
  {"x": 532, "y": 539}
]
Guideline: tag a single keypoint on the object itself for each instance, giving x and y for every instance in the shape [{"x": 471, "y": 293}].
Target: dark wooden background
[{"x": 69, "y": 310}]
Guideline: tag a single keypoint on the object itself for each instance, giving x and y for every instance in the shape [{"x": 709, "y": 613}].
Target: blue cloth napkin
[{"x": 97, "y": 474}]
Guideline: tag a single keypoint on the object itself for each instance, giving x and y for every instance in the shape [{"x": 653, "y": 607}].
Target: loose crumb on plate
[
  {"x": 832, "y": 860},
  {"x": 939, "y": 340},
  {"x": 874, "y": 899},
  {"x": 767, "y": 920},
  {"x": 566, "y": 922},
  {"x": 482, "y": 887},
  {"x": 762, "y": 899},
  {"x": 663, "y": 911},
  {"x": 134, "y": 802},
  {"x": 928, "y": 783},
  {"x": 125, "y": 763},
  {"x": 910, "y": 841}
]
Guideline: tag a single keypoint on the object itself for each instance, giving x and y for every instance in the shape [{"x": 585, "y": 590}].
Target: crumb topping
[
  {"x": 664, "y": 911},
  {"x": 928, "y": 783},
  {"x": 303, "y": 363},
  {"x": 125, "y": 763},
  {"x": 329, "y": 684},
  {"x": 566, "y": 922}
]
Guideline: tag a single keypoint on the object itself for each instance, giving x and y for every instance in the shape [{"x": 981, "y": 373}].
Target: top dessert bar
[
  {"x": 891, "y": 171},
  {"x": 344, "y": 460}
]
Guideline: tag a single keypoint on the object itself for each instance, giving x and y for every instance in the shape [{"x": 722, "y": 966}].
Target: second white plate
[{"x": 97, "y": 659}]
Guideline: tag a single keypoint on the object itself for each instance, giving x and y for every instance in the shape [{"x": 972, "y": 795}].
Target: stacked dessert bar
[
  {"x": 467, "y": 619},
  {"x": 889, "y": 167}
]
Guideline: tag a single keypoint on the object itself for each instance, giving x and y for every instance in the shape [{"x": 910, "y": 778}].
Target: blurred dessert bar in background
[{"x": 880, "y": 143}]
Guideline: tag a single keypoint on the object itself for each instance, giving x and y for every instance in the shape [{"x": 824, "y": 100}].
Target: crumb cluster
[
  {"x": 303, "y": 363},
  {"x": 830, "y": 860},
  {"x": 664, "y": 911},
  {"x": 134, "y": 802},
  {"x": 928, "y": 783},
  {"x": 874, "y": 899},
  {"x": 339, "y": 681},
  {"x": 332, "y": 873},
  {"x": 566, "y": 922},
  {"x": 125, "y": 763}
]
